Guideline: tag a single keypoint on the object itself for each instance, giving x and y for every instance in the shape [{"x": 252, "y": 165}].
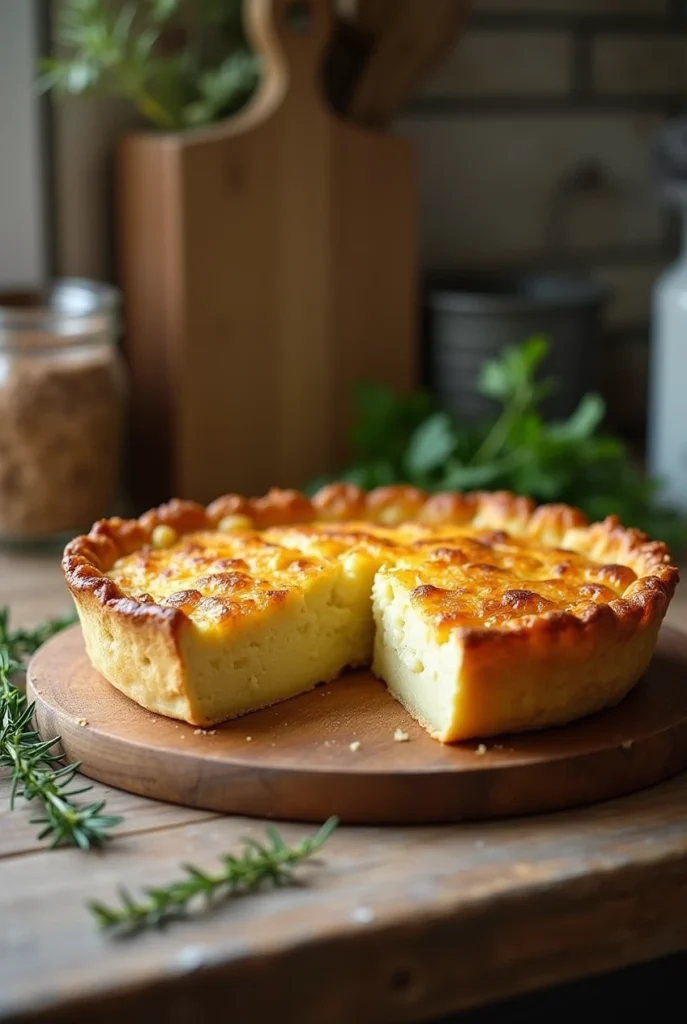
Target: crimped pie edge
[
  {"x": 89, "y": 557},
  {"x": 121, "y": 632}
]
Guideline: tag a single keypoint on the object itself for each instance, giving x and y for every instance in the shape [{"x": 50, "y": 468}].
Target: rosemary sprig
[
  {"x": 37, "y": 772},
  {"x": 257, "y": 864},
  {"x": 20, "y": 643}
]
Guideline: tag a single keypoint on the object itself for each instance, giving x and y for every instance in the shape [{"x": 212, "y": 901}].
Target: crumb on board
[
  {"x": 82, "y": 721},
  {"x": 400, "y": 736},
  {"x": 249, "y": 739},
  {"x": 627, "y": 745},
  {"x": 481, "y": 749},
  {"x": 354, "y": 746},
  {"x": 363, "y": 915}
]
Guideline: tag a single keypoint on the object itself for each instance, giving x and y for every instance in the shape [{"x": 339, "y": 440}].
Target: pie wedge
[{"x": 482, "y": 613}]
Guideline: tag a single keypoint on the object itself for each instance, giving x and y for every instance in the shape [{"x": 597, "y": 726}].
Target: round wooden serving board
[{"x": 294, "y": 760}]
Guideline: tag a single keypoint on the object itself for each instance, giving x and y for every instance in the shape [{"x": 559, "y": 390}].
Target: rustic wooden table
[{"x": 396, "y": 924}]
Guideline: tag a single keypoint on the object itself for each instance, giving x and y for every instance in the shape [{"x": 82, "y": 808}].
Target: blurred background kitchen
[{"x": 278, "y": 242}]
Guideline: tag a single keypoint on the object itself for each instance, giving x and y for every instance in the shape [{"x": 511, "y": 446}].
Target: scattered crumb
[
  {"x": 627, "y": 745},
  {"x": 363, "y": 915},
  {"x": 400, "y": 736},
  {"x": 82, "y": 721},
  {"x": 212, "y": 732},
  {"x": 191, "y": 958},
  {"x": 354, "y": 746},
  {"x": 249, "y": 739},
  {"x": 481, "y": 749},
  {"x": 198, "y": 732}
]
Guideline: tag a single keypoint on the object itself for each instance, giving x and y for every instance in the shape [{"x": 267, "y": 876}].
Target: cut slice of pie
[{"x": 482, "y": 613}]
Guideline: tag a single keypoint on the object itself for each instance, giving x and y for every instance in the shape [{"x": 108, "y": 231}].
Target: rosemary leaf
[
  {"x": 270, "y": 862},
  {"x": 37, "y": 771}
]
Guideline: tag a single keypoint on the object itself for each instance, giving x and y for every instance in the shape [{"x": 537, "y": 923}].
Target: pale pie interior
[{"x": 271, "y": 615}]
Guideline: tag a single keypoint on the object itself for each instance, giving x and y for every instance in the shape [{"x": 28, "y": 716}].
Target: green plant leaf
[
  {"x": 385, "y": 421},
  {"x": 223, "y": 89},
  {"x": 540, "y": 479},
  {"x": 122, "y": 25},
  {"x": 531, "y": 354},
  {"x": 162, "y": 10},
  {"x": 513, "y": 369},
  {"x": 467, "y": 478},
  {"x": 430, "y": 445},
  {"x": 494, "y": 379},
  {"x": 115, "y": 49},
  {"x": 584, "y": 421}
]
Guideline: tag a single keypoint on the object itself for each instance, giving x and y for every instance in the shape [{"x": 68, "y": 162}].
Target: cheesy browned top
[{"x": 459, "y": 576}]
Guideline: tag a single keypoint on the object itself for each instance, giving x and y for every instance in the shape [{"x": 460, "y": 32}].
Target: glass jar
[{"x": 62, "y": 393}]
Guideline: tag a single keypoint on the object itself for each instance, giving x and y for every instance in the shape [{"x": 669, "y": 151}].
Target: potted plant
[{"x": 181, "y": 66}]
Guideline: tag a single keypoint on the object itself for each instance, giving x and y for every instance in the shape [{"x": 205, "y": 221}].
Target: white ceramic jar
[{"x": 667, "y": 427}]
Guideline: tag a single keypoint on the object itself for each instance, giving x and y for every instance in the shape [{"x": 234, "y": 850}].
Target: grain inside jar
[{"x": 61, "y": 421}]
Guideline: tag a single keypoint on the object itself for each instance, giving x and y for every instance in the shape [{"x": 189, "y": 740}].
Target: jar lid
[{"x": 66, "y": 311}]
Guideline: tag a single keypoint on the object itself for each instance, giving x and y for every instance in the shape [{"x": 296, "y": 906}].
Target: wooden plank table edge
[{"x": 412, "y": 967}]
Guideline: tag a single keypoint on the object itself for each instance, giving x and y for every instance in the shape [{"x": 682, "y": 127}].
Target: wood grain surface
[
  {"x": 294, "y": 760},
  {"x": 395, "y": 924}
]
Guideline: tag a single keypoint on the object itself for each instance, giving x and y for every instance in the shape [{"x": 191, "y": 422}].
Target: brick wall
[{"x": 534, "y": 138}]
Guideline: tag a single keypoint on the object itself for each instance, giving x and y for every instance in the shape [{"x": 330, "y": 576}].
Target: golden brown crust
[
  {"x": 617, "y": 549},
  {"x": 557, "y": 617}
]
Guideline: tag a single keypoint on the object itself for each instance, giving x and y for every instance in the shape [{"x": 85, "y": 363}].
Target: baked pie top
[
  {"x": 482, "y": 613},
  {"x": 481, "y": 561}
]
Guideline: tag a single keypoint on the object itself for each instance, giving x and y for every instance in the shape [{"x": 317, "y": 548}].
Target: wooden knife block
[{"x": 268, "y": 263}]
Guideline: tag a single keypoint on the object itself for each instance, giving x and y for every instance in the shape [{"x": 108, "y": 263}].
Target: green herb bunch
[
  {"x": 271, "y": 862},
  {"x": 181, "y": 65},
  {"x": 37, "y": 772},
  {"x": 400, "y": 439}
]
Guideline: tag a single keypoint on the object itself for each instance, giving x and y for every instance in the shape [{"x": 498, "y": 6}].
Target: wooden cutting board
[
  {"x": 295, "y": 760},
  {"x": 268, "y": 263}
]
